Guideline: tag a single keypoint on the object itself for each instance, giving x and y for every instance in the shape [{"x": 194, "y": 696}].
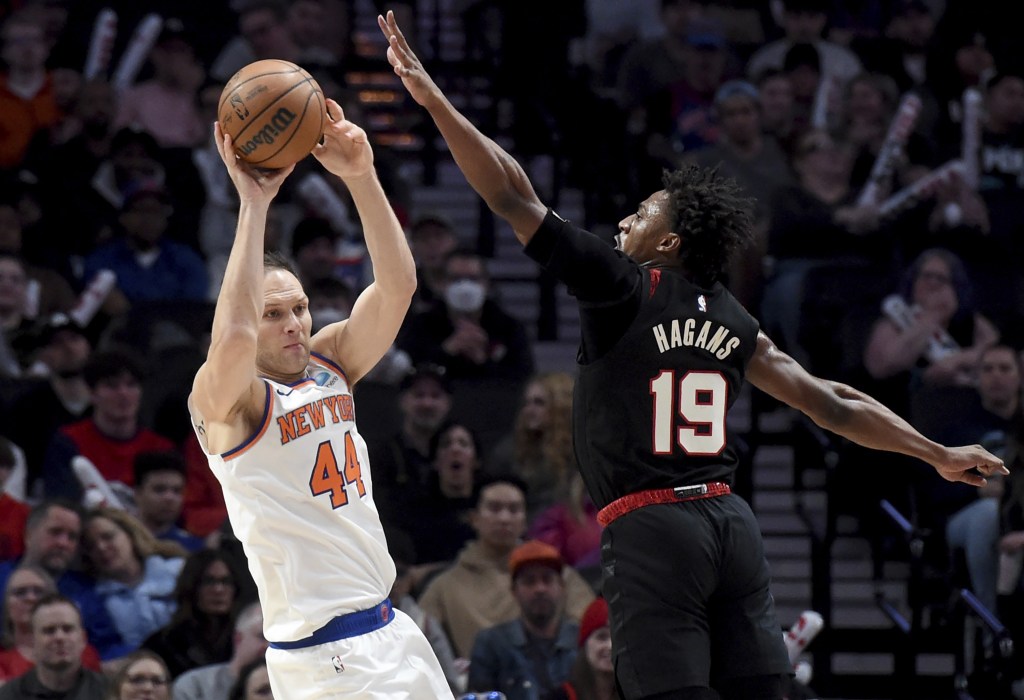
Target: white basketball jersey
[{"x": 300, "y": 499}]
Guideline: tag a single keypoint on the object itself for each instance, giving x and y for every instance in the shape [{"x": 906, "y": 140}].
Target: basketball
[{"x": 274, "y": 112}]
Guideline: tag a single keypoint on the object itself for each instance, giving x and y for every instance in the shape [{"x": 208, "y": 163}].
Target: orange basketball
[{"x": 274, "y": 112}]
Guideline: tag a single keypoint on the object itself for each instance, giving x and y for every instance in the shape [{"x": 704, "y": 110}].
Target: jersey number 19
[{"x": 702, "y": 400}]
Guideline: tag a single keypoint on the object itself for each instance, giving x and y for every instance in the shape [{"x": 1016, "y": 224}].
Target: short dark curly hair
[{"x": 711, "y": 216}]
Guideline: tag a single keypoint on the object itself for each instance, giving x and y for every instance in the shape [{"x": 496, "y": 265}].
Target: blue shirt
[
  {"x": 140, "y": 610},
  {"x": 177, "y": 273},
  {"x": 501, "y": 660}
]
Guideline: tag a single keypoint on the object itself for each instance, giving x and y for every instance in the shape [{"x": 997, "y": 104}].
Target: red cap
[
  {"x": 594, "y": 618},
  {"x": 534, "y": 552}
]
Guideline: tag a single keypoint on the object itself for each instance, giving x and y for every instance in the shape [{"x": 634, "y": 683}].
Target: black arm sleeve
[{"x": 605, "y": 281}]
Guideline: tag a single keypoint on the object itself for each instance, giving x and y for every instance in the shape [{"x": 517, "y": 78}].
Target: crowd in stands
[{"x": 881, "y": 143}]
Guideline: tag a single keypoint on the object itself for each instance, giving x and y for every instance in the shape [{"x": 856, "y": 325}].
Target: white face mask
[{"x": 465, "y": 296}]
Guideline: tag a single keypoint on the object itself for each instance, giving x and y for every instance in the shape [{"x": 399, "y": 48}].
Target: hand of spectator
[
  {"x": 345, "y": 150},
  {"x": 857, "y": 219},
  {"x": 1012, "y": 542},
  {"x": 469, "y": 340}
]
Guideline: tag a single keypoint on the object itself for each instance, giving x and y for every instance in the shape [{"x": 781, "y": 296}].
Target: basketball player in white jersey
[{"x": 273, "y": 410}]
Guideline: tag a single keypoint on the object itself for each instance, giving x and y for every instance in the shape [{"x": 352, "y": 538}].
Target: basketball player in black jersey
[{"x": 665, "y": 349}]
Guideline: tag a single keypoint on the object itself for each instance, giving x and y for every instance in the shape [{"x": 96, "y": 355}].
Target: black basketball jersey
[{"x": 650, "y": 413}]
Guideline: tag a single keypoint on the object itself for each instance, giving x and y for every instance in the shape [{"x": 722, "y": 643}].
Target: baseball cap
[
  {"x": 173, "y": 30},
  {"x": 705, "y": 34},
  {"x": 594, "y": 618},
  {"x": 733, "y": 88},
  {"x": 425, "y": 371},
  {"x": 534, "y": 552},
  {"x": 54, "y": 324}
]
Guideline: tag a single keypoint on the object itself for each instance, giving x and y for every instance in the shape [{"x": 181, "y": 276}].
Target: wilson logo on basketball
[{"x": 270, "y": 131}]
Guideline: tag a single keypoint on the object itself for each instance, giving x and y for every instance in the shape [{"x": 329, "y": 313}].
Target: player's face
[
  {"x": 641, "y": 233},
  {"x": 282, "y": 346}
]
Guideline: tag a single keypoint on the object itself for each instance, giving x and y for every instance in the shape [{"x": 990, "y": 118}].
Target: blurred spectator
[
  {"x": 149, "y": 266},
  {"x": 330, "y": 301},
  {"x": 475, "y": 592},
  {"x": 803, "y": 22},
  {"x": 27, "y": 103},
  {"x": 201, "y": 631},
  {"x": 758, "y": 164},
  {"x": 403, "y": 551},
  {"x": 27, "y": 585},
  {"x": 57, "y": 643},
  {"x": 144, "y": 676},
  {"x": 570, "y": 526},
  {"x": 651, "y": 65},
  {"x": 902, "y": 53},
  {"x": 159, "y": 479},
  {"x": 314, "y": 250},
  {"x": 937, "y": 288},
  {"x": 813, "y": 224},
  {"x": 14, "y": 323},
  {"x": 612, "y": 28},
  {"x": 135, "y": 573},
  {"x": 263, "y": 32},
  {"x": 401, "y": 462},
  {"x": 13, "y": 512},
  {"x": 214, "y": 682},
  {"x": 438, "y": 519},
  {"x": 531, "y": 655},
  {"x": 47, "y": 292},
  {"x": 432, "y": 238},
  {"x": 592, "y": 676},
  {"x": 974, "y": 529},
  {"x": 802, "y": 68},
  {"x": 680, "y": 114},
  {"x": 203, "y": 508},
  {"x": 1011, "y": 546},
  {"x": 955, "y": 64},
  {"x": 165, "y": 105},
  {"x": 539, "y": 448},
  {"x": 253, "y": 682},
  {"x": 775, "y": 92},
  {"x": 468, "y": 334},
  {"x": 52, "y": 537},
  {"x": 61, "y": 397},
  {"x": 111, "y": 437}
]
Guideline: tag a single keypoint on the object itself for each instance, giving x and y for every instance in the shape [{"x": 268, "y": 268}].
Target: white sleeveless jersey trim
[{"x": 313, "y": 537}]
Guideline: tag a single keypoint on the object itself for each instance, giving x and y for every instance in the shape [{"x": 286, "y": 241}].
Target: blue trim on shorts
[{"x": 345, "y": 626}]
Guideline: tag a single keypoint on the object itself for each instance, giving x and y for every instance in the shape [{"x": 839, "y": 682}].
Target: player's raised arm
[
  {"x": 358, "y": 343},
  {"x": 490, "y": 170},
  {"x": 858, "y": 417},
  {"x": 229, "y": 373}
]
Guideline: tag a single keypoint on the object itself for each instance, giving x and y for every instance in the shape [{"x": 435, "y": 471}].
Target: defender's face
[
  {"x": 640, "y": 233},
  {"x": 282, "y": 346}
]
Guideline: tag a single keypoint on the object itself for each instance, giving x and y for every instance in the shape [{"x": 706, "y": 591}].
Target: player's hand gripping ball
[{"x": 274, "y": 112}]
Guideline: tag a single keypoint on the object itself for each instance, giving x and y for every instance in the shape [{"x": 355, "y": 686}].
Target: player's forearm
[
  {"x": 865, "y": 421},
  {"x": 240, "y": 301},
  {"x": 394, "y": 270},
  {"x": 489, "y": 169}
]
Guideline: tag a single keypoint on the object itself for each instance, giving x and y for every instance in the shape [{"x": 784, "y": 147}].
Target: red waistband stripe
[{"x": 679, "y": 494}]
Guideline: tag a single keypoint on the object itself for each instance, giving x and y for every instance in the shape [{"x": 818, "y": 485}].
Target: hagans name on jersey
[{"x": 713, "y": 337}]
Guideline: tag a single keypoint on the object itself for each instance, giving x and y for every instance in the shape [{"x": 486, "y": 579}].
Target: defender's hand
[
  {"x": 406, "y": 65},
  {"x": 959, "y": 463}
]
